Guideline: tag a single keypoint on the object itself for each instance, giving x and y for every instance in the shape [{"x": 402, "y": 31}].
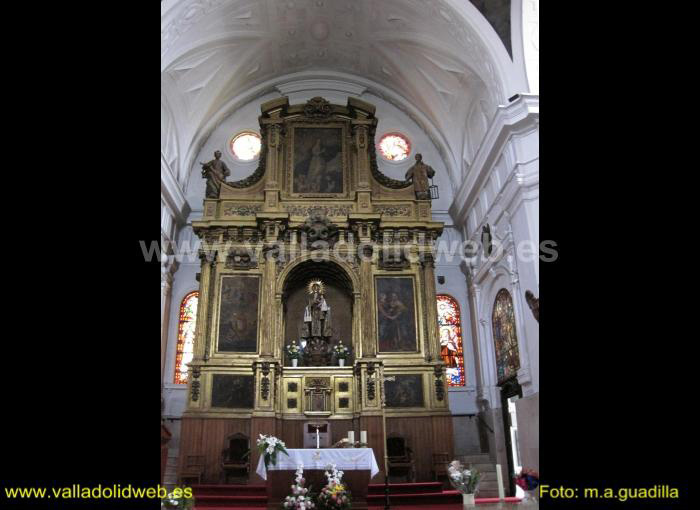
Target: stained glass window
[
  {"x": 507, "y": 355},
  {"x": 185, "y": 336},
  {"x": 394, "y": 147},
  {"x": 246, "y": 146},
  {"x": 451, "y": 339}
]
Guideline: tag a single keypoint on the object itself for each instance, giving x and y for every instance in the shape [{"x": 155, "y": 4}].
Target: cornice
[{"x": 517, "y": 118}]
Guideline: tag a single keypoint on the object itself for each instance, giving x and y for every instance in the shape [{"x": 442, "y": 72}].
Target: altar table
[{"x": 358, "y": 464}]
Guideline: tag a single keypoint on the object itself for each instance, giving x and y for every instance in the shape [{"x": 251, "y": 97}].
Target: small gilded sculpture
[
  {"x": 215, "y": 172},
  {"x": 420, "y": 173}
]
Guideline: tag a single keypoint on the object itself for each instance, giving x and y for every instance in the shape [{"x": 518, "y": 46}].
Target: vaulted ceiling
[{"x": 432, "y": 58}]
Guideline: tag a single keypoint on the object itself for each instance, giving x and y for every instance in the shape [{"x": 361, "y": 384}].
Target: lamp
[{"x": 434, "y": 193}]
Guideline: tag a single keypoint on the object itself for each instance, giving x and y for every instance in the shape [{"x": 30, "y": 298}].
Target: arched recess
[{"x": 342, "y": 294}]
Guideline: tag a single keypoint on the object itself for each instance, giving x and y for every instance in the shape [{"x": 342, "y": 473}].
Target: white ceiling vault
[{"x": 434, "y": 59}]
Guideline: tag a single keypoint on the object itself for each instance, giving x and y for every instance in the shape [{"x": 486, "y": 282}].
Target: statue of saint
[
  {"x": 215, "y": 172},
  {"x": 316, "y": 329},
  {"x": 420, "y": 173},
  {"x": 534, "y": 304},
  {"x": 317, "y": 314}
]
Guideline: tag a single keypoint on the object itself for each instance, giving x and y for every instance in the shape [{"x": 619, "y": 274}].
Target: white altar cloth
[{"x": 345, "y": 459}]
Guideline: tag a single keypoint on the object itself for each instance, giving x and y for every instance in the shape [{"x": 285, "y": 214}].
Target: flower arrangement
[
  {"x": 269, "y": 446},
  {"x": 299, "y": 499},
  {"x": 528, "y": 479},
  {"x": 178, "y": 500},
  {"x": 335, "y": 495},
  {"x": 341, "y": 351},
  {"x": 464, "y": 480},
  {"x": 293, "y": 350}
]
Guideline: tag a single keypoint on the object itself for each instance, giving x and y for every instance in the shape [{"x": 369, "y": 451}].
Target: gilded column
[
  {"x": 206, "y": 288},
  {"x": 432, "y": 351},
  {"x": 369, "y": 344},
  {"x": 267, "y": 302}
]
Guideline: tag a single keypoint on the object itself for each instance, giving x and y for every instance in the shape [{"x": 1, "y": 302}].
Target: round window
[
  {"x": 245, "y": 146},
  {"x": 394, "y": 147}
]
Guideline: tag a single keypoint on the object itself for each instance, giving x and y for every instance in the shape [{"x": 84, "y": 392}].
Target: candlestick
[
  {"x": 351, "y": 436},
  {"x": 363, "y": 436}
]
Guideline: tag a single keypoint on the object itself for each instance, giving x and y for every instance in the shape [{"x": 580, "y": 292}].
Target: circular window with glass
[
  {"x": 245, "y": 146},
  {"x": 394, "y": 147}
]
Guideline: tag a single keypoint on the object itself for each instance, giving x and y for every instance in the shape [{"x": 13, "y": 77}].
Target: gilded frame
[
  {"x": 416, "y": 312},
  {"x": 290, "y": 155},
  {"x": 217, "y": 316}
]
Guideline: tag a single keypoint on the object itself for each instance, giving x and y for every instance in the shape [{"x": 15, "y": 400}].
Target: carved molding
[
  {"x": 233, "y": 209},
  {"x": 394, "y": 210}
]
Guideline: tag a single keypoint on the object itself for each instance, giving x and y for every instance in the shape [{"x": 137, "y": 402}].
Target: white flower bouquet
[
  {"x": 464, "y": 480},
  {"x": 299, "y": 499},
  {"x": 269, "y": 446},
  {"x": 293, "y": 350},
  {"x": 341, "y": 351}
]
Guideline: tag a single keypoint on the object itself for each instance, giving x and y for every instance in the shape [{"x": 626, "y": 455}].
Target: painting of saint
[
  {"x": 232, "y": 391},
  {"x": 405, "y": 391},
  {"x": 396, "y": 323},
  {"x": 238, "y": 314},
  {"x": 318, "y": 160}
]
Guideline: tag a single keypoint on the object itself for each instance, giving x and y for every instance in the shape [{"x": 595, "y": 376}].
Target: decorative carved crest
[
  {"x": 393, "y": 260},
  {"x": 318, "y": 227},
  {"x": 317, "y": 108},
  {"x": 239, "y": 258}
]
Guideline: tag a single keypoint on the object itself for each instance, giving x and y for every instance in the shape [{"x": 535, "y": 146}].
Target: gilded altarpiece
[{"x": 319, "y": 250}]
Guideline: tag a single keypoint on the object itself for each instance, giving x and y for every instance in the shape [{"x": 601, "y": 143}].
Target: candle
[
  {"x": 363, "y": 436},
  {"x": 318, "y": 439},
  {"x": 351, "y": 436}
]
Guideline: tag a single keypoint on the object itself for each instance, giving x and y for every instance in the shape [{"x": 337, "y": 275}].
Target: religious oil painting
[
  {"x": 238, "y": 314},
  {"x": 405, "y": 391},
  {"x": 232, "y": 391},
  {"x": 318, "y": 160},
  {"x": 396, "y": 315}
]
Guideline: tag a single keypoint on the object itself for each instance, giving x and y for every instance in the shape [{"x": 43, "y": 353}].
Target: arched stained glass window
[
  {"x": 451, "y": 339},
  {"x": 185, "y": 336},
  {"x": 504, "y": 336}
]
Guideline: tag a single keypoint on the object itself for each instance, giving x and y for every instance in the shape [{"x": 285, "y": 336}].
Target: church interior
[{"x": 350, "y": 243}]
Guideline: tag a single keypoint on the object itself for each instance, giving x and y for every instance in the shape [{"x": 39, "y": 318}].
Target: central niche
[{"x": 317, "y": 307}]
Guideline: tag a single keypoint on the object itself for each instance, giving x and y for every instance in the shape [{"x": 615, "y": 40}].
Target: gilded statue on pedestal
[
  {"x": 316, "y": 327},
  {"x": 419, "y": 173},
  {"x": 215, "y": 172}
]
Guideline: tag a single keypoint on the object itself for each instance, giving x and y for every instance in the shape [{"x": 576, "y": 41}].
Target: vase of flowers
[
  {"x": 528, "y": 480},
  {"x": 300, "y": 498},
  {"x": 341, "y": 352},
  {"x": 178, "y": 500},
  {"x": 294, "y": 353},
  {"x": 335, "y": 495},
  {"x": 464, "y": 480},
  {"x": 269, "y": 447}
]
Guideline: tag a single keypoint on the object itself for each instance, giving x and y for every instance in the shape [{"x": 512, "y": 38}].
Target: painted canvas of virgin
[
  {"x": 318, "y": 163},
  {"x": 396, "y": 315},
  {"x": 238, "y": 314}
]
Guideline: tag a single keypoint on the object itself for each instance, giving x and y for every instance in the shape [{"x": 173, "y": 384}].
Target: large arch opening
[{"x": 338, "y": 293}]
